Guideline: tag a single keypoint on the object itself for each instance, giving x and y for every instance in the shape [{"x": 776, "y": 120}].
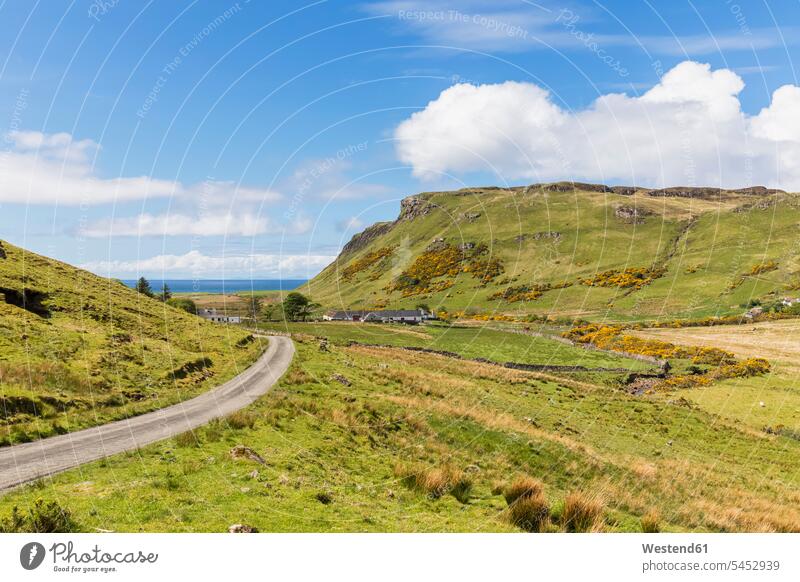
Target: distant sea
[{"x": 220, "y": 285}]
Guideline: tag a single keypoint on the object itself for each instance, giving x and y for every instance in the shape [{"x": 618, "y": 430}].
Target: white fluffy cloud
[
  {"x": 241, "y": 224},
  {"x": 196, "y": 264},
  {"x": 687, "y": 130},
  {"x": 40, "y": 168}
]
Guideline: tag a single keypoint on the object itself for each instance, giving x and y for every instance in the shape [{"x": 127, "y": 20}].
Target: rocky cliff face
[{"x": 366, "y": 236}]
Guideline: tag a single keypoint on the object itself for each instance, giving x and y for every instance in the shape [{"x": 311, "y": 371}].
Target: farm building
[
  {"x": 217, "y": 317},
  {"x": 412, "y": 316}
]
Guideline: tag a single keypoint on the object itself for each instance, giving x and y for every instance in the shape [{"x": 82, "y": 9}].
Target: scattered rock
[
  {"x": 437, "y": 245},
  {"x": 472, "y": 216},
  {"x": 624, "y": 190},
  {"x": 570, "y": 186},
  {"x": 413, "y": 207},
  {"x": 245, "y": 489},
  {"x": 243, "y": 452},
  {"x": 390, "y": 494},
  {"x": 472, "y": 469},
  {"x": 631, "y": 214},
  {"x": 341, "y": 379},
  {"x": 242, "y": 528},
  {"x": 2, "y": 252},
  {"x": 467, "y": 246},
  {"x": 547, "y": 234},
  {"x": 323, "y": 345},
  {"x": 254, "y": 475}
]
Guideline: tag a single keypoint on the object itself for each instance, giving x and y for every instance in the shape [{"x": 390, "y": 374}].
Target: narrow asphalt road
[{"x": 29, "y": 461}]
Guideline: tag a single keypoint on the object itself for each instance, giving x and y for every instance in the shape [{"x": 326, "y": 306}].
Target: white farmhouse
[{"x": 218, "y": 317}]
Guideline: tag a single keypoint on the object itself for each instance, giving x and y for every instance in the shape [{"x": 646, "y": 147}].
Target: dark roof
[
  {"x": 397, "y": 313},
  {"x": 379, "y": 313},
  {"x": 347, "y": 313}
]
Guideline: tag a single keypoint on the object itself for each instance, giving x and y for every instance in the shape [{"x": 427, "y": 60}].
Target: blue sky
[{"x": 253, "y": 139}]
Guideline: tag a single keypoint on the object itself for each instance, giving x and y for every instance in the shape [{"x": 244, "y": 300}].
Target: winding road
[{"x": 22, "y": 463}]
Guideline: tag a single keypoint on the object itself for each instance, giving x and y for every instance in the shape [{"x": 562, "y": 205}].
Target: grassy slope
[
  {"x": 100, "y": 352},
  {"x": 470, "y": 342},
  {"x": 330, "y": 451},
  {"x": 717, "y": 248}
]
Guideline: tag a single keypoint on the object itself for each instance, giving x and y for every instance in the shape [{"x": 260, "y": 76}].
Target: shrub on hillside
[{"x": 43, "y": 517}]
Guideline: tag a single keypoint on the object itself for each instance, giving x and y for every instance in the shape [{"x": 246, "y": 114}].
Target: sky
[{"x": 252, "y": 139}]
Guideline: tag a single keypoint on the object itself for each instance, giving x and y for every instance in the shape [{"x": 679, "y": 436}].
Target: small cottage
[{"x": 218, "y": 317}]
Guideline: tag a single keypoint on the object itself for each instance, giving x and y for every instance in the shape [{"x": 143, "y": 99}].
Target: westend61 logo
[{"x": 66, "y": 559}]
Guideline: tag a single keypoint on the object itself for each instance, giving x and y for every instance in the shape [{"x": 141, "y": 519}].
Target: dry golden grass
[
  {"x": 435, "y": 481},
  {"x": 522, "y": 487},
  {"x": 446, "y": 366},
  {"x": 651, "y": 522},
  {"x": 494, "y": 420},
  {"x": 583, "y": 512},
  {"x": 530, "y": 513}
]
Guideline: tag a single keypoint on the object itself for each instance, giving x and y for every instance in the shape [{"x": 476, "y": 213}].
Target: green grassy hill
[
  {"x": 577, "y": 251},
  {"x": 78, "y": 350}
]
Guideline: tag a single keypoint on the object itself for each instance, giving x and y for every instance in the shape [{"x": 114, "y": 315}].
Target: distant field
[
  {"x": 232, "y": 303},
  {"x": 470, "y": 342},
  {"x": 777, "y": 341},
  {"x": 759, "y": 402}
]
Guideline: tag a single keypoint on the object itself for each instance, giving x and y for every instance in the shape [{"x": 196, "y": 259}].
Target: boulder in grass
[
  {"x": 341, "y": 379},
  {"x": 242, "y": 528},
  {"x": 243, "y": 452}
]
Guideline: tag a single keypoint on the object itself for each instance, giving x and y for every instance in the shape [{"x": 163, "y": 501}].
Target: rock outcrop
[{"x": 366, "y": 236}]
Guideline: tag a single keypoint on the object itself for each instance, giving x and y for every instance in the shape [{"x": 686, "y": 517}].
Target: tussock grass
[
  {"x": 530, "y": 513},
  {"x": 582, "y": 512},
  {"x": 436, "y": 481},
  {"x": 651, "y": 522},
  {"x": 523, "y": 487},
  {"x": 187, "y": 439},
  {"x": 241, "y": 419}
]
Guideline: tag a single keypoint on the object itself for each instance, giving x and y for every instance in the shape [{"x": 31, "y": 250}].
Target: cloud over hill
[{"x": 688, "y": 129}]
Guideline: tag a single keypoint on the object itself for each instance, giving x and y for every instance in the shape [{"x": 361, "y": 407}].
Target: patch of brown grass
[
  {"x": 530, "y": 513},
  {"x": 651, "y": 522},
  {"x": 522, "y": 487},
  {"x": 435, "y": 481},
  {"x": 241, "y": 419},
  {"x": 583, "y": 512}
]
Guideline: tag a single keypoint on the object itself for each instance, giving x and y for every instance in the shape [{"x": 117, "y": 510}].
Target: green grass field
[
  {"x": 344, "y": 428},
  {"x": 469, "y": 342}
]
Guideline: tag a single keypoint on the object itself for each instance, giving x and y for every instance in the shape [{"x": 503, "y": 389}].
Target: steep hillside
[
  {"x": 78, "y": 350},
  {"x": 581, "y": 250}
]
